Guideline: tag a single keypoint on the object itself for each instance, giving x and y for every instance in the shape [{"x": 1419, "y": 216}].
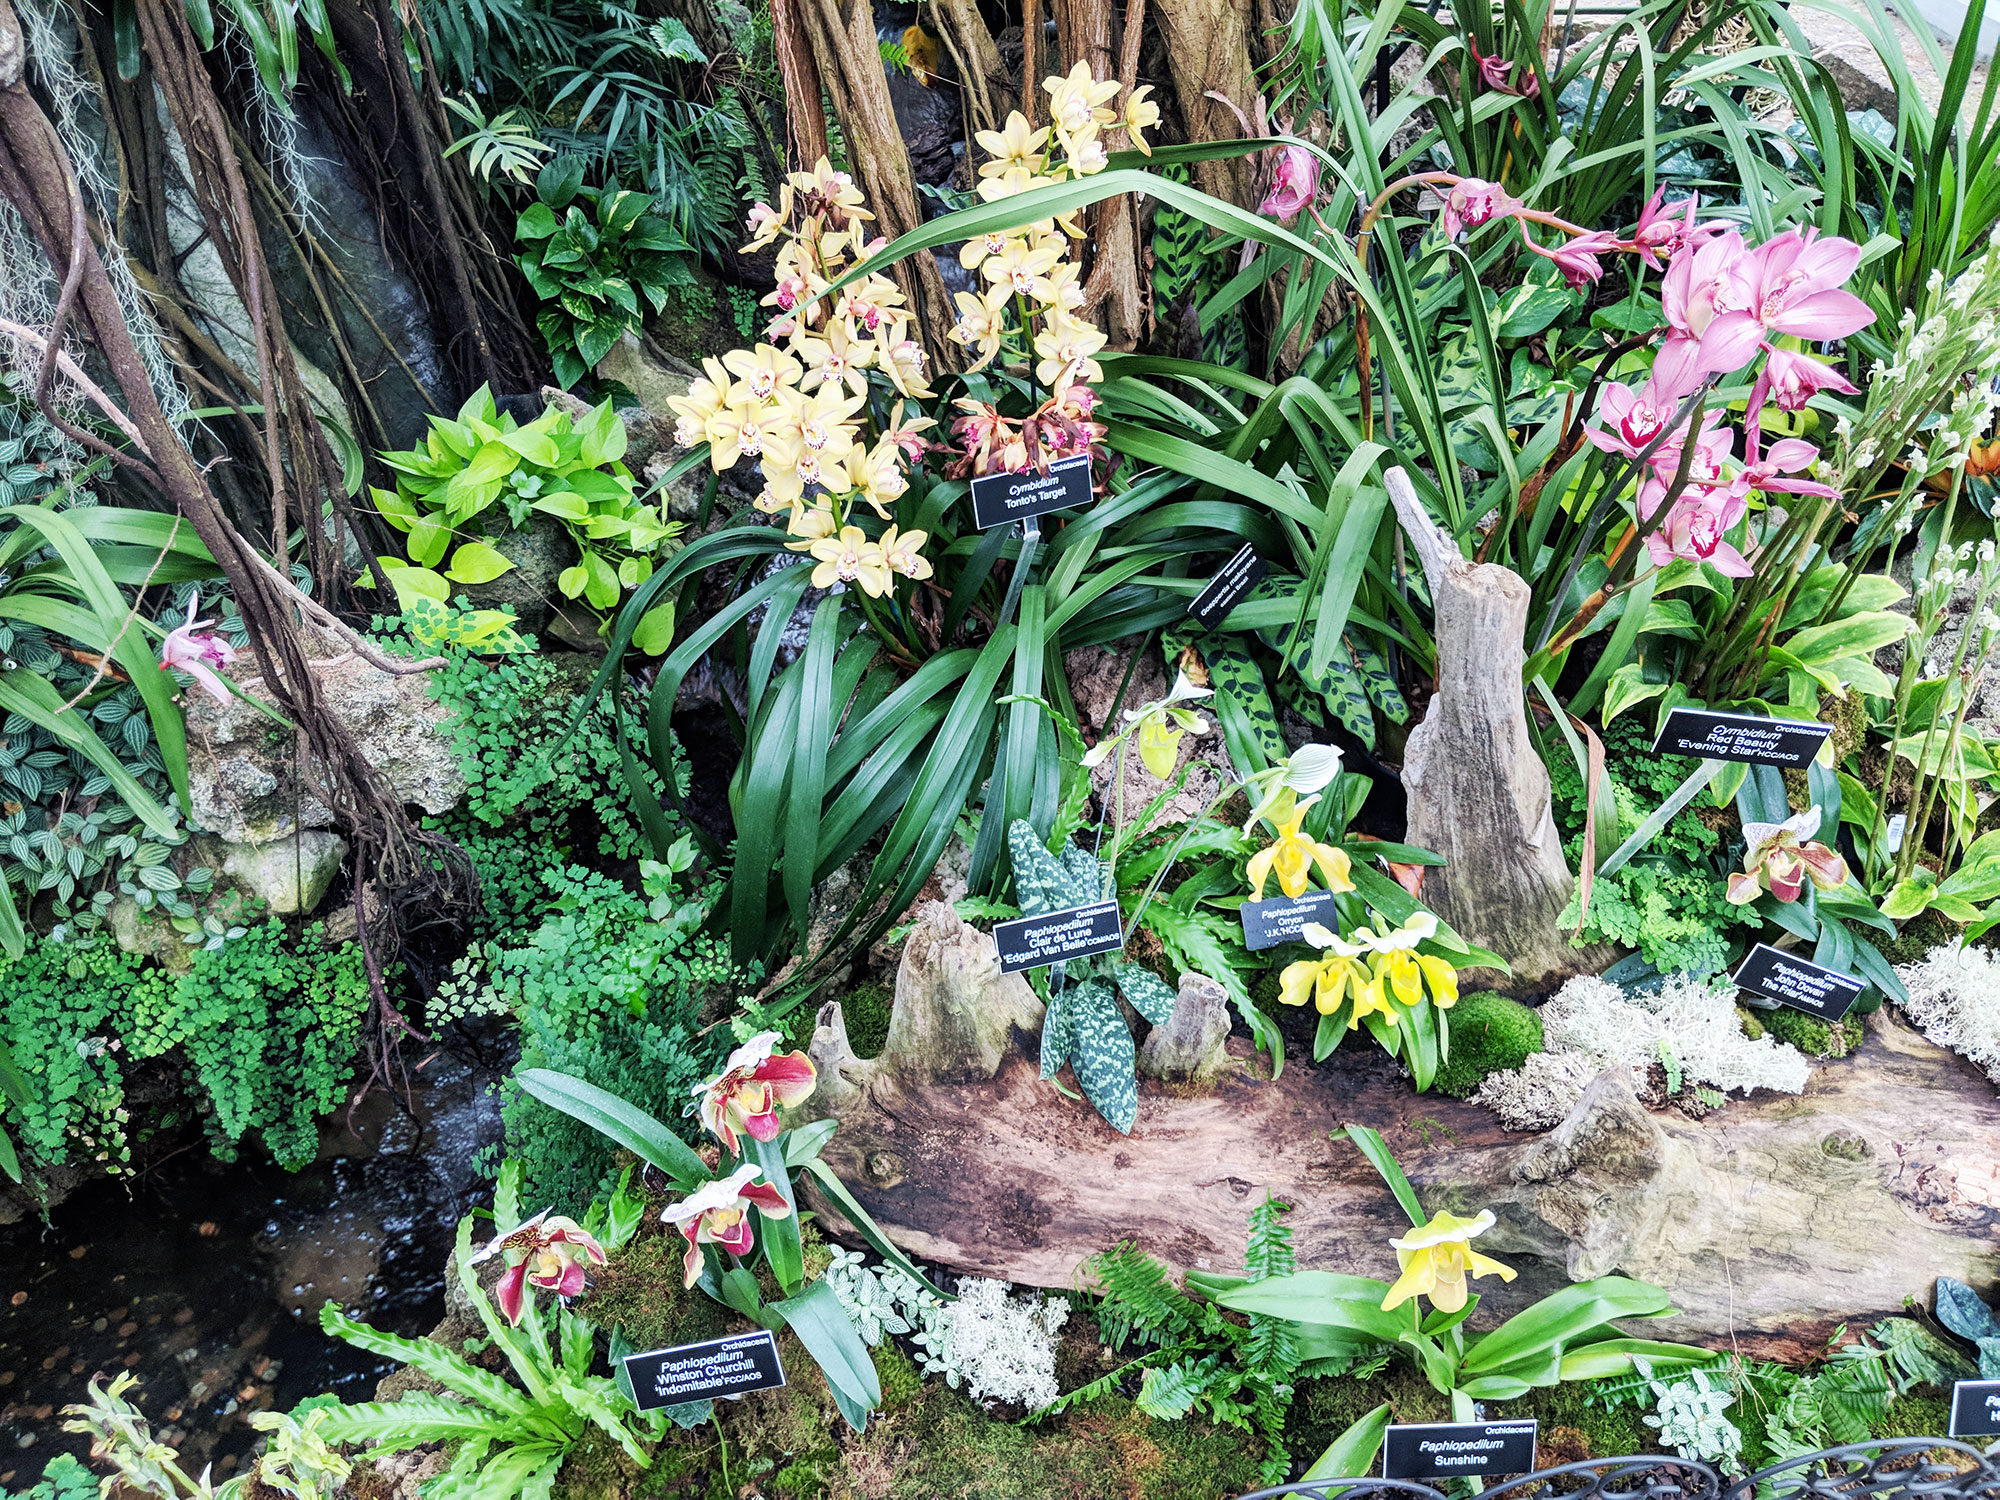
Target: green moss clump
[
  {"x": 1323, "y": 1409},
  {"x": 1489, "y": 1034},
  {"x": 640, "y": 1291},
  {"x": 1918, "y": 936},
  {"x": 865, "y": 1009},
  {"x": 1607, "y": 1434},
  {"x": 1812, "y": 1036},
  {"x": 1916, "y": 1416}
]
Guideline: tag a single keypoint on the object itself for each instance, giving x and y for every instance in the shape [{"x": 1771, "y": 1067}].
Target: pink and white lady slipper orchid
[
  {"x": 548, "y": 1251},
  {"x": 752, "y": 1086},
  {"x": 1782, "y": 857},
  {"x": 718, "y": 1213},
  {"x": 193, "y": 648}
]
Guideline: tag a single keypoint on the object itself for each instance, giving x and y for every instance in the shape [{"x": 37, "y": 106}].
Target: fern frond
[{"x": 1140, "y": 1303}]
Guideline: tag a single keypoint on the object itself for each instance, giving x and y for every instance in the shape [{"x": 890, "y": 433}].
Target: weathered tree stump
[
  {"x": 1770, "y": 1222},
  {"x": 1478, "y": 793}
]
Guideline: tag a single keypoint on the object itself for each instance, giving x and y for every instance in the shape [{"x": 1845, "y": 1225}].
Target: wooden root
[{"x": 1769, "y": 1222}]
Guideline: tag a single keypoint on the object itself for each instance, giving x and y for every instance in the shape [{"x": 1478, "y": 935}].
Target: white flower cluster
[
  {"x": 1003, "y": 1348},
  {"x": 1955, "y": 998},
  {"x": 1597, "y": 1026},
  {"x": 1957, "y": 336}
]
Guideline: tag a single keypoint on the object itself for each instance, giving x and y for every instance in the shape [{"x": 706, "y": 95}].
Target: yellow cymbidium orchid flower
[
  {"x": 1292, "y": 856},
  {"x": 1437, "y": 1257}
]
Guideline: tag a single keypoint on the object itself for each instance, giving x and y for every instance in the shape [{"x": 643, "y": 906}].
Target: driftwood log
[
  {"x": 1478, "y": 793},
  {"x": 1770, "y": 1222}
]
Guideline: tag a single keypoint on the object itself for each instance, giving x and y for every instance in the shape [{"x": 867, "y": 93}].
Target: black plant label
[
  {"x": 1975, "y": 1408},
  {"x": 1805, "y": 986},
  {"x": 1231, "y": 582},
  {"x": 1433, "y": 1450},
  {"x": 1709, "y": 735},
  {"x": 1056, "y": 936},
  {"x": 999, "y": 499},
  {"x": 732, "y": 1366},
  {"x": 1266, "y": 924}
]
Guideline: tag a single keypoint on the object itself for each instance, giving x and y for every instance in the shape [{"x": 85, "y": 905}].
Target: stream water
[{"x": 205, "y": 1278}]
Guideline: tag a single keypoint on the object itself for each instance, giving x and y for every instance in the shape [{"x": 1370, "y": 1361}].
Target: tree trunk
[
  {"x": 1874, "y": 1181},
  {"x": 1478, "y": 793},
  {"x": 972, "y": 47},
  {"x": 849, "y": 59},
  {"x": 1208, "y": 48}
]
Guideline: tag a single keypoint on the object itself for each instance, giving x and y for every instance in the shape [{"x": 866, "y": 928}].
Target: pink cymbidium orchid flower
[
  {"x": 193, "y": 648},
  {"x": 1294, "y": 183},
  {"x": 1733, "y": 300},
  {"x": 1782, "y": 857},
  {"x": 1696, "y": 527},
  {"x": 548, "y": 1251},
  {"x": 1473, "y": 201},
  {"x": 718, "y": 1213},
  {"x": 1794, "y": 379},
  {"x": 1497, "y": 72},
  {"x": 752, "y": 1086},
  {"x": 1665, "y": 229}
]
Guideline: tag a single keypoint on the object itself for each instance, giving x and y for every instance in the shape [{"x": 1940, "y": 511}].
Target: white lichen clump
[
  {"x": 1690, "y": 1026},
  {"x": 1540, "y": 1093},
  {"x": 1955, "y": 999},
  {"x": 1006, "y": 1346}
]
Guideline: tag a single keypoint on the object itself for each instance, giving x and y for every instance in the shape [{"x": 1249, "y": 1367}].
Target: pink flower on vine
[
  {"x": 1665, "y": 229},
  {"x": 193, "y": 648},
  {"x": 1576, "y": 256},
  {"x": 1794, "y": 379},
  {"x": 1293, "y": 184},
  {"x": 1473, "y": 201},
  {"x": 1497, "y": 72},
  {"x": 1774, "y": 471}
]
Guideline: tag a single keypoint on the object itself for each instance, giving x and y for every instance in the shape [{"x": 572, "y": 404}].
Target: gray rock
[
  {"x": 539, "y": 551},
  {"x": 1189, "y": 1048},
  {"x": 289, "y": 875},
  {"x": 1094, "y": 675},
  {"x": 243, "y": 768},
  {"x": 150, "y": 935}
]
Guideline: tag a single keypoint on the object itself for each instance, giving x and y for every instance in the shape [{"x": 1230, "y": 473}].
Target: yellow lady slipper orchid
[
  {"x": 1407, "y": 970},
  {"x": 1332, "y": 981},
  {"x": 1437, "y": 1258},
  {"x": 1292, "y": 857}
]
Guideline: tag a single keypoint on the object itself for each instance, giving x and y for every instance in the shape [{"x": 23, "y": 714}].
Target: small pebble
[
  {"x": 79, "y": 1252},
  {"x": 208, "y": 1229},
  {"x": 127, "y": 1329},
  {"x": 132, "y": 1359},
  {"x": 100, "y": 1325},
  {"x": 18, "y": 1298},
  {"x": 25, "y": 1440},
  {"x": 184, "y": 1316}
]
